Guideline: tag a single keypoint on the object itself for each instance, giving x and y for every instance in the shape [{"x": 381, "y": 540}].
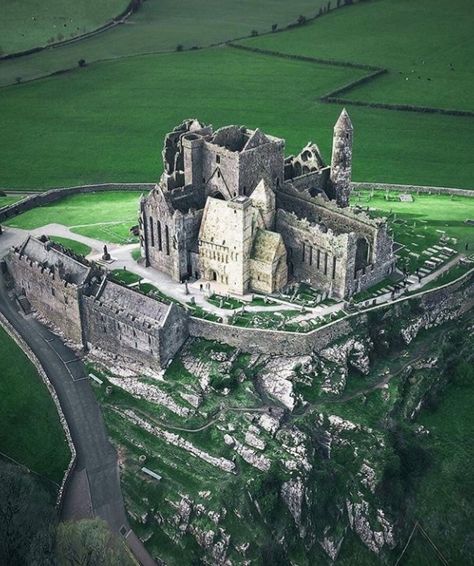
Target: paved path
[{"x": 95, "y": 486}]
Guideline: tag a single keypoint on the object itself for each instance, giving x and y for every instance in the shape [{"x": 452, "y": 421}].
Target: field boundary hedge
[
  {"x": 132, "y": 7},
  {"x": 334, "y": 97},
  {"x": 47, "y": 197},
  {"x": 51, "y": 195},
  {"x": 414, "y": 188}
]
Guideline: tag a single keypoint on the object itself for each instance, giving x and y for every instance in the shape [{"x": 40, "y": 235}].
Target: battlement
[{"x": 315, "y": 229}]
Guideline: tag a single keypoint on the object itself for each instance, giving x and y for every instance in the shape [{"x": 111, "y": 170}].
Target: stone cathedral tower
[{"x": 341, "y": 161}]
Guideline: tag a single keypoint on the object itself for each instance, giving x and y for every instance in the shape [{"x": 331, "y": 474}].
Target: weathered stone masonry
[
  {"x": 187, "y": 234},
  {"x": 92, "y": 311}
]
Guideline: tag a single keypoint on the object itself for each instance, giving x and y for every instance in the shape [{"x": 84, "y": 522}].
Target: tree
[
  {"x": 90, "y": 543},
  {"x": 27, "y": 519}
]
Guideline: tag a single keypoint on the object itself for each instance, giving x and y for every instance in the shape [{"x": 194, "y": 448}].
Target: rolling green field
[
  {"x": 117, "y": 114},
  {"x": 30, "y": 431},
  {"x": 158, "y": 26},
  {"x": 73, "y": 245},
  {"x": 104, "y": 216},
  {"x": 31, "y": 23},
  {"x": 429, "y": 63}
]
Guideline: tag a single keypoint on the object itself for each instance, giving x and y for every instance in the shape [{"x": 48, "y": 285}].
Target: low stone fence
[
  {"x": 40, "y": 199},
  {"x": 414, "y": 189},
  {"x": 34, "y": 360},
  {"x": 265, "y": 341}
]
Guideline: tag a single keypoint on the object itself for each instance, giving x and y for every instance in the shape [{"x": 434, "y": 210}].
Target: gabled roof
[
  {"x": 266, "y": 246},
  {"x": 215, "y": 214},
  {"x": 263, "y": 196},
  {"x": 134, "y": 304},
  {"x": 257, "y": 138},
  {"x": 48, "y": 254}
]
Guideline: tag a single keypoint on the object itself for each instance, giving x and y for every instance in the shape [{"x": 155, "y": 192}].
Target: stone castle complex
[{"x": 231, "y": 208}]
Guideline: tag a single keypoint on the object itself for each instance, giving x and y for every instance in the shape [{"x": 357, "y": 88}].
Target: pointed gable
[
  {"x": 263, "y": 196},
  {"x": 256, "y": 139}
]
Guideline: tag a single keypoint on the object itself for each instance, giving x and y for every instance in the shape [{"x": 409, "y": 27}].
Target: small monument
[{"x": 106, "y": 255}]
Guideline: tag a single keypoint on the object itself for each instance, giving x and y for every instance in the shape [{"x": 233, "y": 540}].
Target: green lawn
[
  {"x": 158, "y": 26},
  {"x": 420, "y": 224},
  {"x": 73, "y": 245},
  {"x": 426, "y": 46},
  {"x": 27, "y": 24},
  {"x": 117, "y": 114},
  {"x": 106, "y": 216},
  {"x": 30, "y": 431},
  {"x": 125, "y": 277},
  {"x": 5, "y": 201}
]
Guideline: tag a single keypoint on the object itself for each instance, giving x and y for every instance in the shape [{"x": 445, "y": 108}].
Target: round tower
[{"x": 341, "y": 161}]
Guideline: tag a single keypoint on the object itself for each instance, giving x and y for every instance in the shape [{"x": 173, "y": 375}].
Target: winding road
[{"x": 94, "y": 489}]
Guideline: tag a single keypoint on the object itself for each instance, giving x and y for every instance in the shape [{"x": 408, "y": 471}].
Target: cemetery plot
[{"x": 431, "y": 229}]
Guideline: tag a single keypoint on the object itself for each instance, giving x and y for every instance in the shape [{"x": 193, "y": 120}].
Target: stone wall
[
  {"x": 49, "y": 294},
  {"x": 40, "y": 199},
  {"x": 268, "y": 341},
  {"x": 313, "y": 255},
  {"x": 414, "y": 188},
  {"x": 123, "y": 336},
  {"x": 430, "y": 308},
  {"x": 119, "y": 336}
]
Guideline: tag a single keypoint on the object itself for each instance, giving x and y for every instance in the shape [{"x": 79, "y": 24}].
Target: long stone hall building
[{"x": 231, "y": 208}]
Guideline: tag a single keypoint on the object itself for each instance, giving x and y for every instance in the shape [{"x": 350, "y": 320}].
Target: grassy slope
[
  {"x": 76, "y": 247},
  {"x": 414, "y": 40},
  {"x": 31, "y": 23},
  {"x": 30, "y": 431},
  {"x": 91, "y": 211},
  {"x": 117, "y": 115},
  {"x": 445, "y": 497},
  {"x": 160, "y": 25}
]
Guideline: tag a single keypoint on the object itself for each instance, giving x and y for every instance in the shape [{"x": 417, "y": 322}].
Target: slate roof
[{"x": 68, "y": 268}]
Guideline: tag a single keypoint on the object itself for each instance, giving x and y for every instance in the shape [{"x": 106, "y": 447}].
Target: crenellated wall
[{"x": 55, "y": 299}]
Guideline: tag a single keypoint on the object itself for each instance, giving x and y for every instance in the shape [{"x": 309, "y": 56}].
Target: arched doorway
[
  {"x": 218, "y": 195},
  {"x": 212, "y": 275}
]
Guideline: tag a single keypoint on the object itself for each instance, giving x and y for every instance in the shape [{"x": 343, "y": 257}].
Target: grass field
[
  {"x": 445, "y": 498},
  {"x": 30, "y": 431},
  {"x": 158, "y": 26},
  {"x": 429, "y": 64},
  {"x": 77, "y": 247},
  {"x": 5, "y": 201},
  {"x": 30, "y": 23},
  {"x": 118, "y": 113},
  {"x": 104, "y": 216},
  {"x": 420, "y": 224}
]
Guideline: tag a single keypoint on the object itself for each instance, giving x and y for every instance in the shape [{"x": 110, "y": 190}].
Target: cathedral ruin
[{"x": 231, "y": 208}]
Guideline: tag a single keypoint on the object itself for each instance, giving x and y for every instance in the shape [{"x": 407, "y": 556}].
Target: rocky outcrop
[
  {"x": 151, "y": 393},
  {"x": 277, "y": 378},
  {"x": 292, "y": 493},
  {"x": 176, "y": 440}
]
